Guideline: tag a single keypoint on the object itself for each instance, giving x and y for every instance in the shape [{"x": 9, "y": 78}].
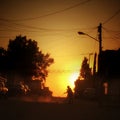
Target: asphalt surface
[{"x": 56, "y": 109}]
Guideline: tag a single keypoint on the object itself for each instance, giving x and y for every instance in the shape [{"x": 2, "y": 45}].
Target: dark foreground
[{"x": 13, "y": 109}]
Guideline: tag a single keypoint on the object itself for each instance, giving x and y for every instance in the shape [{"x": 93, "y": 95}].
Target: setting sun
[{"x": 73, "y": 78}]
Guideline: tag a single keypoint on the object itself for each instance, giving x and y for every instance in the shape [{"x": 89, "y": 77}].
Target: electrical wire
[
  {"x": 114, "y": 36},
  {"x": 24, "y": 27},
  {"x": 110, "y": 18},
  {"x": 111, "y": 30},
  {"x": 52, "y": 13}
]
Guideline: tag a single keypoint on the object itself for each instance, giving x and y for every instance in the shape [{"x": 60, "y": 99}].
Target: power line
[
  {"x": 110, "y": 18},
  {"x": 16, "y": 25},
  {"x": 114, "y": 37},
  {"x": 52, "y": 13},
  {"x": 22, "y": 25},
  {"x": 111, "y": 30}
]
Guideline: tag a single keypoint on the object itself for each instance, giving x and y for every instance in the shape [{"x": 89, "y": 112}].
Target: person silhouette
[{"x": 69, "y": 94}]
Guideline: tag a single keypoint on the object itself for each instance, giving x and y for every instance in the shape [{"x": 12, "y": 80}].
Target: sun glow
[{"x": 73, "y": 78}]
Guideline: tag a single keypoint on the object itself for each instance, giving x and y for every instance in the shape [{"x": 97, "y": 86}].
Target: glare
[{"x": 73, "y": 78}]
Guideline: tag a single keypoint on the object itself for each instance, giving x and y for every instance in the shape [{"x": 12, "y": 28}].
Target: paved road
[{"x": 15, "y": 109}]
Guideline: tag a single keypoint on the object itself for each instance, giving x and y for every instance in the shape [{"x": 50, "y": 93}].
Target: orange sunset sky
[{"x": 54, "y": 25}]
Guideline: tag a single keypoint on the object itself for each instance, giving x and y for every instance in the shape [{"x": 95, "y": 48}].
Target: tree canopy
[
  {"x": 24, "y": 58},
  {"x": 85, "y": 71}
]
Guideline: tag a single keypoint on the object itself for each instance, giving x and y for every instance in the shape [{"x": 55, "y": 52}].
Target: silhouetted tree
[
  {"x": 25, "y": 59},
  {"x": 85, "y": 71},
  {"x": 3, "y": 59},
  {"x": 84, "y": 80}
]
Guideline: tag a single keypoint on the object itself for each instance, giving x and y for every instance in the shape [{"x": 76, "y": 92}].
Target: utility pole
[
  {"x": 90, "y": 58},
  {"x": 100, "y": 37},
  {"x": 100, "y": 47},
  {"x": 94, "y": 65},
  {"x": 94, "y": 70}
]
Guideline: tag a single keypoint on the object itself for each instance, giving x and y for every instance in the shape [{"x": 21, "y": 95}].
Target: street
[{"x": 32, "y": 110}]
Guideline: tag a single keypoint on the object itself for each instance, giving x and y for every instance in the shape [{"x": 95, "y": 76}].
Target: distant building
[
  {"x": 37, "y": 87},
  {"x": 110, "y": 71},
  {"x": 110, "y": 64}
]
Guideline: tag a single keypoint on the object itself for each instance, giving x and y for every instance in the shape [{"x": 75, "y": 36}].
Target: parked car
[
  {"x": 89, "y": 93},
  {"x": 26, "y": 89},
  {"x": 3, "y": 90},
  {"x": 18, "y": 89}
]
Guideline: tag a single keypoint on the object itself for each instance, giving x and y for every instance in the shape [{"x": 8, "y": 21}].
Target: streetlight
[
  {"x": 82, "y": 33},
  {"x": 100, "y": 43}
]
